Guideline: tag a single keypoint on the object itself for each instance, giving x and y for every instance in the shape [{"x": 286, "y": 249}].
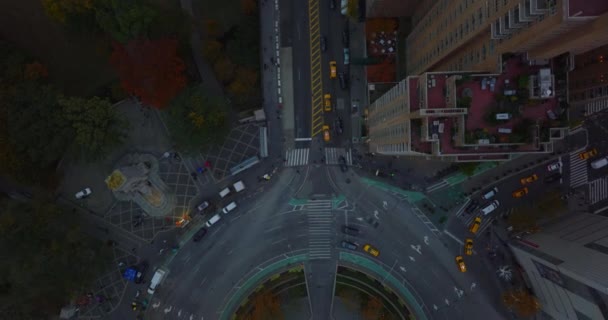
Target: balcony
[{"x": 495, "y": 30}]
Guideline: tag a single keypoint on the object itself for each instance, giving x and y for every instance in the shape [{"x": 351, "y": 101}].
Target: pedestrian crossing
[
  {"x": 332, "y": 156},
  {"x": 578, "y": 170},
  {"x": 595, "y": 106},
  {"x": 320, "y": 226},
  {"x": 297, "y": 157},
  {"x": 598, "y": 190},
  {"x": 486, "y": 221}
]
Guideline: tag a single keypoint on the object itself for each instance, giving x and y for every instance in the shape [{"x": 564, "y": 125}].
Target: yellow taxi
[
  {"x": 332, "y": 70},
  {"x": 460, "y": 262},
  {"x": 528, "y": 179},
  {"x": 327, "y": 102},
  {"x": 588, "y": 154},
  {"x": 475, "y": 226},
  {"x": 371, "y": 250},
  {"x": 468, "y": 246},
  {"x": 520, "y": 192},
  {"x": 326, "y": 136}
]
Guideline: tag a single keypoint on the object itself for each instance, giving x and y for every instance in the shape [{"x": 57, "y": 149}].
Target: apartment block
[
  {"x": 566, "y": 265},
  {"x": 588, "y": 80}
]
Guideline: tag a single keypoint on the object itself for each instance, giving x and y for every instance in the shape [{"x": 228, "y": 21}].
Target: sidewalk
[{"x": 358, "y": 80}]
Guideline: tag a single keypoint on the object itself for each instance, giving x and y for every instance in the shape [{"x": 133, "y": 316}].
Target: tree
[
  {"x": 522, "y": 302},
  {"x": 124, "y": 20},
  {"x": 373, "y": 308},
  {"x": 224, "y": 69},
  {"x": 46, "y": 258},
  {"x": 97, "y": 127},
  {"x": 60, "y": 10},
  {"x": 242, "y": 42},
  {"x": 244, "y": 83},
  {"x": 468, "y": 168},
  {"x": 35, "y": 71},
  {"x": 197, "y": 119},
  {"x": 150, "y": 70},
  {"x": 249, "y": 7},
  {"x": 266, "y": 305},
  {"x": 212, "y": 50}
]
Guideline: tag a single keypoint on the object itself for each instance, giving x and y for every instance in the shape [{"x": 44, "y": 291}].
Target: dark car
[
  {"x": 141, "y": 272},
  {"x": 349, "y": 245},
  {"x": 323, "y": 44},
  {"x": 350, "y": 230},
  {"x": 199, "y": 234},
  {"x": 472, "y": 206},
  {"x": 201, "y": 207},
  {"x": 338, "y": 126},
  {"x": 553, "y": 178},
  {"x": 332, "y": 4},
  {"x": 343, "y": 166},
  {"x": 343, "y": 81},
  {"x": 345, "y": 38}
]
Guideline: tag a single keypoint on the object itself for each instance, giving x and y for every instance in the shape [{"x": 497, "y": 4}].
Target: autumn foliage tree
[
  {"x": 150, "y": 70},
  {"x": 522, "y": 302},
  {"x": 265, "y": 305},
  {"x": 60, "y": 10},
  {"x": 35, "y": 71},
  {"x": 249, "y": 7},
  {"x": 372, "y": 309}
]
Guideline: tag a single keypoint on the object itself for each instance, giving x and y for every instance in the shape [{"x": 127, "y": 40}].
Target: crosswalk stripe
[
  {"x": 332, "y": 156},
  {"x": 596, "y": 106},
  {"x": 297, "y": 157},
  {"x": 320, "y": 223},
  {"x": 578, "y": 170},
  {"x": 598, "y": 190}
]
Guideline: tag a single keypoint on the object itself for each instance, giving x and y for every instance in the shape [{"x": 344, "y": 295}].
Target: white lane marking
[
  {"x": 453, "y": 237},
  {"x": 402, "y": 269},
  {"x": 412, "y": 258},
  {"x": 205, "y": 279}
]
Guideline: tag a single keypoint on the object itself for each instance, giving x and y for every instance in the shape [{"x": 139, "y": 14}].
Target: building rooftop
[{"x": 585, "y": 8}]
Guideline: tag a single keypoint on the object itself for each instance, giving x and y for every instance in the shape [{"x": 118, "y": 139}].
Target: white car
[
  {"x": 83, "y": 193},
  {"x": 554, "y": 166}
]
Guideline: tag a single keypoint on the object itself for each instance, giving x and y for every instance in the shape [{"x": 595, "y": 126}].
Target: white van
[
  {"x": 503, "y": 116},
  {"x": 491, "y": 207},
  {"x": 239, "y": 186},
  {"x": 231, "y": 206},
  {"x": 599, "y": 163},
  {"x": 224, "y": 192},
  {"x": 158, "y": 277},
  {"x": 213, "y": 220},
  {"x": 490, "y": 194}
]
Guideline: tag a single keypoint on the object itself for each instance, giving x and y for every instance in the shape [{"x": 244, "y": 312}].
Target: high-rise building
[
  {"x": 472, "y": 34},
  {"x": 482, "y": 84},
  {"x": 566, "y": 264},
  {"x": 390, "y": 8},
  {"x": 588, "y": 81}
]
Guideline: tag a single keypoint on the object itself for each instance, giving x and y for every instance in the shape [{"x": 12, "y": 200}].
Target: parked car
[
  {"x": 213, "y": 220},
  {"x": 350, "y": 230},
  {"x": 588, "y": 154},
  {"x": 529, "y": 179},
  {"x": 349, "y": 245},
  {"x": 460, "y": 262},
  {"x": 201, "y": 207},
  {"x": 83, "y": 193},
  {"x": 490, "y": 194},
  {"x": 346, "y": 56},
  {"x": 231, "y": 206},
  {"x": 323, "y": 44},
  {"x": 600, "y": 163},
  {"x": 553, "y": 178},
  {"x": 475, "y": 225},
  {"x": 371, "y": 250},
  {"x": 520, "y": 192},
  {"x": 141, "y": 272},
  {"x": 200, "y": 234},
  {"x": 343, "y": 80},
  {"x": 554, "y": 166},
  {"x": 468, "y": 246},
  {"x": 491, "y": 207},
  {"x": 472, "y": 206}
]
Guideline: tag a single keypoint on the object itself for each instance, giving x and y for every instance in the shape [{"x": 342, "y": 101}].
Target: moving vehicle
[
  {"x": 529, "y": 179},
  {"x": 371, "y": 250},
  {"x": 468, "y": 246},
  {"x": 349, "y": 245},
  {"x": 346, "y": 56},
  {"x": 339, "y": 125},
  {"x": 141, "y": 272},
  {"x": 599, "y": 163},
  {"x": 224, "y": 192},
  {"x": 552, "y": 178},
  {"x": 460, "y": 262},
  {"x": 323, "y": 44},
  {"x": 554, "y": 166},
  {"x": 83, "y": 193},
  {"x": 520, "y": 192},
  {"x": 350, "y": 230},
  {"x": 343, "y": 166},
  {"x": 201, "y": 207},
  {"x": 491, "y": 207},
  {"x": 231, "y": 206},
  {"x": 213, "y": 220},
  {"x": 327, "y": 102},
  {"x": 475, "y": 225},
  {"x": 199, "y": 234},
  {"x": 490, "y": 194},
  {"x": 343, "y": 80},
  {"x": 239, "y": 186},
  {"x": 332, "y": 70},
  {"x": 588, "y": 154},
  {"x": 472, "y": 206},
  {"x": 326, "y": 136},
  {"x": 158, "y": 277}
]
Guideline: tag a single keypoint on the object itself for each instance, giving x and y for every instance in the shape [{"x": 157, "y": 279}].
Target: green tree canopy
[
  {"x": 98, "y": 129},
  {"x": 124, "y": 20},
  {"x": 45, "y": 258},
  {"x": 197, "y": 120}
]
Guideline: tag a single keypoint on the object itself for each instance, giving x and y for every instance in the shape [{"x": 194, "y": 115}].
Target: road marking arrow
[
  {"x": 435, "y": 307},
  {"x": 167, "y": 310},
  {"x": 156, "y": 305},
  {"x": 179, "y": 313},
  {"x": 426, "y": 240},
  {"x": 447, "y": 302},
  {"x": 360, "y": 219},
  {"x": 412, "y": 258},
  {"x": 402, "y": 269},
  {"x": 376, "y": 215},
  {"x": 385, "y": 205},
  {"x": 417, "y": 248},
  {"x": 473, "y": 285}
]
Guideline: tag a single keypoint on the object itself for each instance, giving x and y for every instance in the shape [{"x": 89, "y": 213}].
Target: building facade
[
  {"x": 566, "y": 264},
  {"x": 390, "y": 8},
  {"x": 588, "y": 81}
]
